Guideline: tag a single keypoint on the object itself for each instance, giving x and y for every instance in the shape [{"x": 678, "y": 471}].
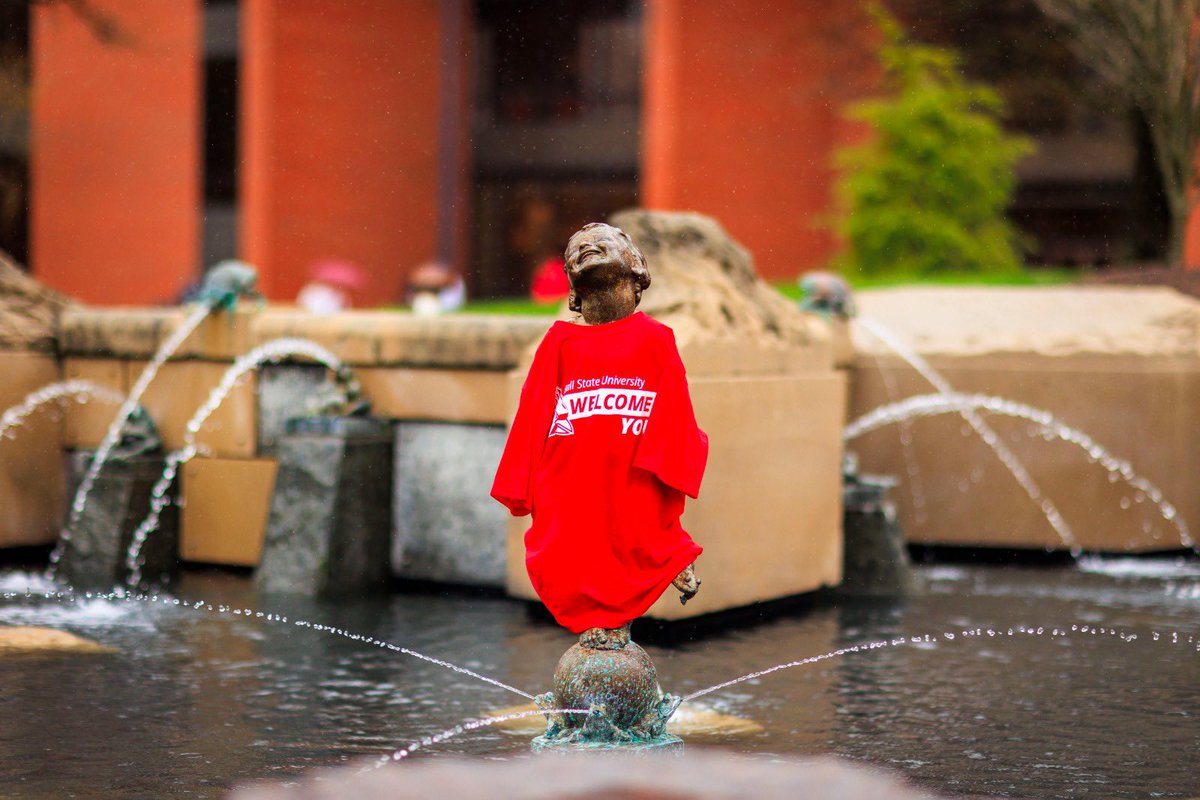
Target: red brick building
[
  {"x": 164, "y": 136},
  {"x": 392, "y": 132}
]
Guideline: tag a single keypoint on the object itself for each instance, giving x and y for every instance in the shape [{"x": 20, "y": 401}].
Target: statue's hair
[{"x": 633, "y": 259}]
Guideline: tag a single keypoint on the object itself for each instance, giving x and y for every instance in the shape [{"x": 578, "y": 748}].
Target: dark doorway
[
  {"x": 220, "y": 131},
  {"x": 556, "y": 99},
  {"x": 14, "y": 130}
]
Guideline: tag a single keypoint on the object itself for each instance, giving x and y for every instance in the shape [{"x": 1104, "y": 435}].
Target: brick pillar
[
  {"x": 1191, "y": 240},
  {"x": 339, "y": 139},
  {"x": 742, "y": 113},
  {"x": 115, "y": 134}
]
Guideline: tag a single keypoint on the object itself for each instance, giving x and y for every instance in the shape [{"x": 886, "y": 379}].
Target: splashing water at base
[
  {"x": 80, "y": 391},
  {"x": 929, "y": 405},
  {"x": 196, "y": 700},
  {"x": 117, "y": 598},
  {"x": 274, "y": 350},
  {"x": 989, "y": 437},
  {"x": 470, "y": 725}
]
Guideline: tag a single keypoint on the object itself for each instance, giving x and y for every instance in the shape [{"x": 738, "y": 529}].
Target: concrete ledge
[{"x": 361, "y": 338}]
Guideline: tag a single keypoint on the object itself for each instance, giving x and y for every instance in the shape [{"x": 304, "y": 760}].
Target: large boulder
[
  {"x": 29, "y": 312},
  {"x": 703, "y": 283}
]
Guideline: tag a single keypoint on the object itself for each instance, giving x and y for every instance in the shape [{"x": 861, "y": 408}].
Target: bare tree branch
[{"x": 1150, "y": 50}]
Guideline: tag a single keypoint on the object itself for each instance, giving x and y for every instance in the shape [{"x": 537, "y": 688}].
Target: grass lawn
[
  {"x": 1041, "y": 276},
  {"x": 510, "y": 305}
]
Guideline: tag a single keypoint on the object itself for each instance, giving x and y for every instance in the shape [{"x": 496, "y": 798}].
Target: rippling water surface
[{"x": 1094, "y": 693}]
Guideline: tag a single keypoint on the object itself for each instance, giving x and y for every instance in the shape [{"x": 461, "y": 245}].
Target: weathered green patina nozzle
[
  {"x": 341, "y": 397},
  {"x": 827, "y": 294},
  {"x": 139, "y": 437},
  {"x": 226, "y": 282}
]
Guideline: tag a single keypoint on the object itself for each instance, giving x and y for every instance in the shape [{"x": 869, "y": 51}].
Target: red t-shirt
[{"x": 603, "y": 449}]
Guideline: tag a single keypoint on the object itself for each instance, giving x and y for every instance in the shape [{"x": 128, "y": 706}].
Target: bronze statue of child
[{"x": 603, "y": 450}]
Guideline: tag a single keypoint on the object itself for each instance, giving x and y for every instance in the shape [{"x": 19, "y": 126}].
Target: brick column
[
  {"x": 115, "y": 135},
  {"x": 339, "y": 139},
  {"x": 742, "y": 114}
]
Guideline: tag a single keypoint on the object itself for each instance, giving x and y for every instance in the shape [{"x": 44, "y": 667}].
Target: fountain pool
[{"x": 196, "y": 701}]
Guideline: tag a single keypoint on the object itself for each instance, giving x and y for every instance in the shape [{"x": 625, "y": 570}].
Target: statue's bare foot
[
  {"x": 686, "y": 583},
  {"x": 605, "y": 638}
]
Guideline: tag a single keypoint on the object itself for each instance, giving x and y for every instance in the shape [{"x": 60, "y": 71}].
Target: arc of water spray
[
  {"x": 471, "y": 725},
  {"x": 274, "y": 350},
  {"x": 265, "y": 616},
  {"x": 989, "y": 437},
  {"x": 76, "y": 389},
  {"x": 113, "y": 434},
  {"x": 914, "y": 481},
  {"x": 928, "y": 405},
  {"x": 948, "y": 636}
]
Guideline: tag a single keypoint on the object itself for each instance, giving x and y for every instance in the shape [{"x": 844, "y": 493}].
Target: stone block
[
  {"x": 957, "y": 492},
  {"x": 284, "y": 391},
  {"x": 94, "y": 557},
  {"x": 224, "y": 516},
  {"x": 448, "y": 528},
  {"x": 31, "y": 470},
  {"x": 448, "y": 395},
  {"x": 876, "y": 562},
  {"x": 330, "y": 522},
  {"x": 1119, "y": 365}
]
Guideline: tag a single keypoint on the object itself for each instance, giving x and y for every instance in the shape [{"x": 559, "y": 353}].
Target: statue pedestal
[
  {"x": 94, "y": 558},
  {"x": 329, "y": 528},
  {"x": 616, "y": 681}
]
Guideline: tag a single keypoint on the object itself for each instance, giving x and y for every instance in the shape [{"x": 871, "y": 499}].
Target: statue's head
[{"x": 599, "y": 256}]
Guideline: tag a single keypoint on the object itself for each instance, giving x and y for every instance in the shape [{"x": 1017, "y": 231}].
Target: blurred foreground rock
[{"x": 697, "y": 775}]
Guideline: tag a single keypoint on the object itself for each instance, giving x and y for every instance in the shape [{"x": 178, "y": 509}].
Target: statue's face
[{"x": 600, "y": 246}]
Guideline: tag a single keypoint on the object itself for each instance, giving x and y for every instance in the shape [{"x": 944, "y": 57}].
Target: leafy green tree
[{"x": 927, "y": 192}]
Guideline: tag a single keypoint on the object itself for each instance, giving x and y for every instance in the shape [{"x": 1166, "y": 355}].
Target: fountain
[
  {"x": 600, "y": 455},
  {"x": 1070, "y": 680}
]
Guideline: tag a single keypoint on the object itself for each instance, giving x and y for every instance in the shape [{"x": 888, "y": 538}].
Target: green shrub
[{"x": 927, "y": 192}]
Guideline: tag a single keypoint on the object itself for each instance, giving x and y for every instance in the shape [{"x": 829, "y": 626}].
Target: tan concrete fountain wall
[
  {"x": 1120, "y": 364},
  {"x": 31, "y": 462},
  {"x": 453, "y": 370},
  {"x": 770, "y": 511}
]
